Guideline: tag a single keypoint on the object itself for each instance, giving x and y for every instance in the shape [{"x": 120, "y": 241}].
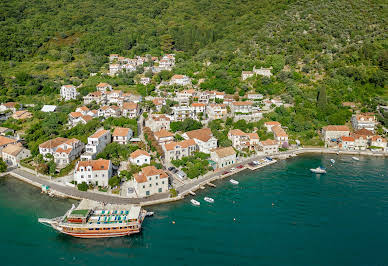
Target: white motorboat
[
  {"x": 194, "y": 202},
  {"x": 355, "y": 158},
  {"x": 210, "y": 200},
  {"x": 332, "y": 160},
  {"x": 234, "y": 182},
  {"x": 318, "y": 170},
  {"x": 150, "y": 213}
]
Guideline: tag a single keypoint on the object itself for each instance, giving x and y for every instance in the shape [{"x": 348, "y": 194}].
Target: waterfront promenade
[{"x": 63, "y": 190}]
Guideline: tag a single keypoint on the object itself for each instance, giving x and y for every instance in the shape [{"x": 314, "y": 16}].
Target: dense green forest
[{"x": 322, "y": 52}]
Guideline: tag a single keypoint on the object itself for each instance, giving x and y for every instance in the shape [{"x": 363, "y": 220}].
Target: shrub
[{"x": 83, "y": 186}]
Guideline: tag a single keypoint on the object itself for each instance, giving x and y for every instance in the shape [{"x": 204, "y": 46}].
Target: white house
[
  {"x": 69, "y": 92},
  {"x": 268, "y": 125},
  {"x": 216, "y": 111},
  {"x": 242, "y": 110},
  {"x": 241, "y": 140},
  {"x": 158, "y": 122},
  {"x": 269, "y": 146},
  {"x": 96, "y": 172},
  {"x": 203, "y": 138},
  {"x": 13, "y": 153},
  {"x": 163, "y": 136},
  {"x": 50, "y": 146},
  {"x": 347, "y": 143},
  {"x": 378, "y": 141},
  {"x": 103, "y": 87},
  {"x": 180, "y": 80},
  {"x": 140, "y": 157},
  {"x": 223, "y": 157},
  {"x": 109, "y": 111},
  {"x": 150, "y": 181},
  {"x": 122, "y": 135},
  {"x": 114, "y": 96},
  {"x": 68, "y": 152},
  {"x": 364, "y": 121},
  {"x": 266, "y": 72},
  {"x": 8, "y": 106},
  {"x": 198, "y": 108},
  {"x": 49, "y": 108},
  {"x": 95, "y": 96},
  {"x": 335, "y": 132},
  {"x": 182, "y": 112},
  {"x": 130, "y": 110},
  {"x": 255, "y": 96},
  {"x": 96, "y": 144},
  {"x": 280, "y": 135}
]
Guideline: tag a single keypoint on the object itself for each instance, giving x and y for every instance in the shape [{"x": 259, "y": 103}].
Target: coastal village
[{"x": 176, "y": 135}]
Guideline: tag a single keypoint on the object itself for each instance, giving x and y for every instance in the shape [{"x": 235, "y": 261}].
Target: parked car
[
  {"x": 232, "y": 169},
  {"x": 171, "y": 168},
  {"x": 225, "y": 173},
  {"x": 240, "y": 166}
]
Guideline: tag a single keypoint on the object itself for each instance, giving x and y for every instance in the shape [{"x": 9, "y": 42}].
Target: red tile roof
[
  {"x": 138, "y": 153},
  {"x": 96, "y": 165},
  {"x": 147, "y": 171}
]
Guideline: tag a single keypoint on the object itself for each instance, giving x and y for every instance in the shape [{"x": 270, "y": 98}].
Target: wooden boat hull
[{"x": 101, "y": 235}]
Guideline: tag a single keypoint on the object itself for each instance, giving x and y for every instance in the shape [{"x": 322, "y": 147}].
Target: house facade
[
  {"x": 13, "y": 153},
  {"x": 68, "y": 152},
  {"x": 224, "y": 156},
  {"x": 122, "y": 135},
  {"x": 334, "y": 132},
  {"x": 177, "y": 150},
  {"x": 69, "y": 92},
  {"x": 269, "y": 146},
  {"x": 203, "y": 138},
  {"x": 241, "y": 140},
  {"x": 217, "y": 111},
  {"x": 361, "y": 121},
  {"x": 158, "y": 122},
  {"x": 140, "y": 157},
  {"x": 150, "y": 181},
  {"x": 96, "y": 144},
  {"x": 96, "y": 172}
]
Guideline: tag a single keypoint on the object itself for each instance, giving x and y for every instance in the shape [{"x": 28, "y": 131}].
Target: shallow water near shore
[{"x": 278, "y": 215}]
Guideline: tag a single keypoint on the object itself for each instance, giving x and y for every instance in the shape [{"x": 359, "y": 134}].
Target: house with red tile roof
[
  {"x": 96, "y": 172},
  {"x": 96, "y": 144},
  {"x": 130, "y": 109},
  {"x": 157, "y": 122},
  {"x": 241, "y": 140},
  {"x": 150, "y": 181},
  {"x": 163, "y": 136},
  {"x": 13, "y": 153},
  {"x": 367, "y": 121},
  {"x": 269, "y": 146},
  {"x": 203, "y": 138},
  {"x": 122, "y": 135},
  {"x": 140, "y": 157},
  {"x": 223, "y": 156},
  {"x": 177, "y": 150},
  {"x": 67, "y": 152},
  {"x": 332, "y": 132}
]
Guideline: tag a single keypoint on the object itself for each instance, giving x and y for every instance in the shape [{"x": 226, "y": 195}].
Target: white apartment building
[
  {"x": 216, "y": 111},
  {"x": 68, "y": 152},
  {"x": 150, "y": 181},
  {"x": 364, "y": 121},
  {"x": 96, "y": 144},
  {"x": 69, "y": 92},
  {"x": 96, "y": 172},
  {"x": 270, "y": 124},
  {"x": 182, "y": 112},
  {"x": 203, "y": 138},
  {"x": 177, "y": 150}
]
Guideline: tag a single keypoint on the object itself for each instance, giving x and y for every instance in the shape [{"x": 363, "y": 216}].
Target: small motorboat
[
  {"x": 210, "y": 200},
  {"x": 149, "y": 213},
  {"x": 318, "y": 170},
  {"x": 194, "y": 202},
  {"x": 234, "y": 182},
  {"x": 332, "y": 161},
  {"x": 355, "y": 158}
]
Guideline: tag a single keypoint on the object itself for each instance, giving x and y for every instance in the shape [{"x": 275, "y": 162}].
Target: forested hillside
[{"x": 322, "y": 52}]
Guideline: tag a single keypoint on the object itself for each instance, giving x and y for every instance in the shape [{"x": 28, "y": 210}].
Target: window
[
  {"x": 82, "y": 176},
  {"x": 147, "y": 193},
  {"x": 150, "y": 185},
  {"x": 144, "y": 186},
  {"x": 163, "y": 182},
  {"x": 160, "y": 190}
]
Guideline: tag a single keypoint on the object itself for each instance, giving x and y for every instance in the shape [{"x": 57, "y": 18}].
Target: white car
[{"x": 232, "y": 169}]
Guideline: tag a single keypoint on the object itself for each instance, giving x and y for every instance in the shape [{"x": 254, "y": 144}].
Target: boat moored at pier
[{"x": 98, "y": 223}]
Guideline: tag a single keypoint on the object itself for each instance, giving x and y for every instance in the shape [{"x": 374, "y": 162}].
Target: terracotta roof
[
  {"x": 13, "y": 149},
  {"x": 158, "y": 101},
  {"x": 86, "y": 118},
  {"x": 184, "y": 144},
  {"x": 203, "y": 134},
  {"x": 344, "y": 138},
  {"x": 177, "y": 77},
  {"x": 163, "y": 134},
  {"x": 129, "y": 106},
  {"x": 269, "y": 142},
  {"x": 272, "y": 123},
  {"x": 237, "y": 132},
  {"x": 138, "y": 153},
  {"x": 160, "y": 117},
  {"x": 364, "y": 132},
  {"x": 366, "y": 117},
  {"x": 278, "y": 131},
  {"x": 215, "y": 105},
  {"x": 99, "y": 133},
  {"x": 96, "y": 165},
  {"x": 224, "y": 152},
  {"x": 336, "y": 128},
  {"x": 242, "y": 103},
  {"x": 75, "y": 114},
  {"x": 198, "y": 104},
  {"x": 53, "y": 143},
  {"x": 83, "y": 108},
  {"x": 71, "y": 141},
  {"x": 102, "y": 84},
  {"x": 9, "y": 104},
  {"x": 253, "y": 135},
  {"x": 357, "y": 136},
  {"x": 61, "y": 150},
  {"x": 95, "y": 94},
  {"x": 121, "y": 131},
  {"x": 69, "y": 86},
  {"x": 23, "y": 114},
  {"x": 149, "y": 171},
  {"x": 375, "y": 138}
]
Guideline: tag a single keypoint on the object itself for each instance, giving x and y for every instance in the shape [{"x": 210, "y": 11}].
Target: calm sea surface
[{"x": 278, "y": 215}]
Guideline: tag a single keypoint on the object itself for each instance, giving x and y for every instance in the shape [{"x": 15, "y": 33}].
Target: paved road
[{"x": 86, "y": 195}]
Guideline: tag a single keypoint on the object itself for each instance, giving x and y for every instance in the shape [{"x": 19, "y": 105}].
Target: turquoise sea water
[{"x": 278, "y": 215}]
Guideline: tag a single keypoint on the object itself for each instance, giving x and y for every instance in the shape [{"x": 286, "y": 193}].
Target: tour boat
[
  {"x": 332, "y": 160},
  {"x": 210, "y": 200},
  {"x": 318, "y": 170},
  {"x": 234, "y": 182},
  {"x": 355, "y": 158},
  {"x": 194, "y": 202},
  {"x": 98, "y": 223}
]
